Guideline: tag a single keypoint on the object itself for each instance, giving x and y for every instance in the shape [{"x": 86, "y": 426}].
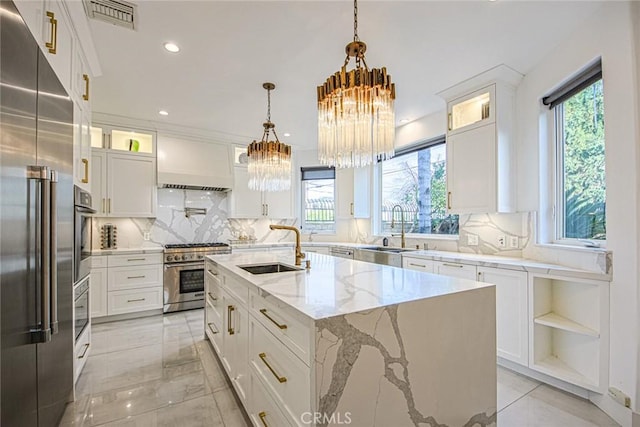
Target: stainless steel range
[{"x": 184, "y": 274}]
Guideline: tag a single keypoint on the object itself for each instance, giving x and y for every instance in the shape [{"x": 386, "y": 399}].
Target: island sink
[{"x": 268, "y": 268}]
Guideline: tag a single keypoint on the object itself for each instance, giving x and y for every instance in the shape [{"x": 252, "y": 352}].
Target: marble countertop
[
  {"x": 123, "y": 251},
  {"x": 337, "y": 286},
  {"x": 520, "y": 264}
]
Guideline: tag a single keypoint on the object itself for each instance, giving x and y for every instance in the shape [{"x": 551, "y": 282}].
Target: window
[
  {"x": 416, "y": 181},
  {"x": 580, "y": 156},
  {"x": 318, "y": 200}
]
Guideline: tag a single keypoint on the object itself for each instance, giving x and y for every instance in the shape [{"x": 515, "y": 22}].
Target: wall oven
[
  {"x": 183, "y": 279},
  {"x": 82, "y": 234}
]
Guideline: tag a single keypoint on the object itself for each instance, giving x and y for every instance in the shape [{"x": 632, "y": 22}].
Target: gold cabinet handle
[
  {"x": 85, "y": 162},
  {"x": 351, "y": 209},
  {"x": 212, "y": 272},
  {"x": 109, "y": 205},
  {"x": 213, "y": 331},
  {"x": 52, "y": 45},
  {"x": 417, "y": 265},
  {"x": 449, "y": 200},
  {"x": 230, "y": 310},
  {"x": 212, "y": 297},
  {"x": 136, "y": 300},
  {"x": 453, "y": 265},
  {"x": 136, "y": 277},
  {"x": 103, "y": 203},
  {"x": 263, "y": 356},
  {"x": 136, "y": 259},
  {"x": 262, "y": 416},
  {"x": 264, "y": 312},
  {"x": 84, "y": 353},
  {"x": 85, "y": 96},
  {"x": 450, "y": 122}
]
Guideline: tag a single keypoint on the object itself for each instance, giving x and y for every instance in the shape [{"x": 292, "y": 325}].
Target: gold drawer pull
[
  {"x": 453, "y": 265},
  {"x": 210, "y": 271},
  {"x": 53, "y": 44},
  {"x": 418, "y": 265},
  {"x": 136, "y": 300},
  {"x": 230, "y": 310},
  {"x": 136, "y": 277},
  {"x": 263, "y": 356},
  {"x": 212, "y": 297},
  {"x": 262, "y": 416},
  {"x": 84, "y": 353},
  {"x": 136, "y": 259},
  {"x": 211, "y": 327},
  {"x": 449, "y": 200},
  {"x": 264, "y": 311}
]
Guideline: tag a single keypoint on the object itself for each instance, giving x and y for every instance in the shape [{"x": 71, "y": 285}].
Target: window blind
[
  {"x": 579, "y": 82},
  {"x": 318, "y": 172}
]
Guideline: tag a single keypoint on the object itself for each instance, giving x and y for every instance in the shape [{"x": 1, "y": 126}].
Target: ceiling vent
[{"x": 118, "y": 13}]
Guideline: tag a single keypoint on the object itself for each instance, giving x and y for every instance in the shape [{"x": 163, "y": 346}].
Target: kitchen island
[{"x": 349, "y": 342}]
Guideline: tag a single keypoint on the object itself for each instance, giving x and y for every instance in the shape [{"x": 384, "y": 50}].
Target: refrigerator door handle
[
  {"x": 53, "y": 251},
  {"x": 41, "y": 174}
]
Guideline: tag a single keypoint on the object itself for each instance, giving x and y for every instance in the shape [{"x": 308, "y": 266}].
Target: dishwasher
[{"x": 341, "y": 252}]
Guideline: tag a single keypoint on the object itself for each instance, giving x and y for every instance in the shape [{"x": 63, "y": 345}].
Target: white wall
[
  {"x": 422, "y": 129},
  {"x": 607, "y": 34}
]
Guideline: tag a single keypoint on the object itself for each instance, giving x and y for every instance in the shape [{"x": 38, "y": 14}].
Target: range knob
[
  {"x": 185, "y": 257},
  {"x": 169, "y": 257},
  {"x": 200, "y": 257}
]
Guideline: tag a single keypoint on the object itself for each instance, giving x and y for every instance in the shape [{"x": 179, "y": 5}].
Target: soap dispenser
[{"x": 385, "y": 242}]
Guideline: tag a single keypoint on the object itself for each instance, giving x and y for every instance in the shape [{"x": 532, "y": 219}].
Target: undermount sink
[{"x": 268, "y": 268}]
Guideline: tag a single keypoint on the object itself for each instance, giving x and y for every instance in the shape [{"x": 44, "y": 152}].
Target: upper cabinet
[
  {"x": 246, "y": 203},
  {"x": 480, "y": 143},
  {"x": 118, "y": 138},
  {"x": 353, "y": 192}
]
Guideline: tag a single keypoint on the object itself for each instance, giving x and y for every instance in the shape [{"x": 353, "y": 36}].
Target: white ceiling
[{"x": 230, "y": 48}]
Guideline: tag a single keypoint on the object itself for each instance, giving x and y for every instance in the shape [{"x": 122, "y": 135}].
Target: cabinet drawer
[
  {"x": 213, "y": 328},
  {"x": 265, "y": 410},
  {"x": 280, "y": 370},
  {"x": 81, "y": 353},
  {"x": 238, "y": 289},
  {"x": 134, "y": 259},
  {"x": 424, "y": 265},
  {"x": 295, "y": 334},
  {"x": 454, "y": 269},
  {"x": 98, "y": 261},
  {"x": 135, "y": 300},
  {"x": 134, "y": 277},
  {"x": 213, "y": 290}
]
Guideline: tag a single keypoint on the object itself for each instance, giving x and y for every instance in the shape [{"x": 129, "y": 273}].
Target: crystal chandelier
[
  {"x": 269, "y": 163},
  {"x": 356, "y": 120}
]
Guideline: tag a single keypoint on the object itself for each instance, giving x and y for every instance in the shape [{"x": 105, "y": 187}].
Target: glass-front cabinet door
[
  {"x": 130, "y": 140},
  {"x": 472, "y": 110}
]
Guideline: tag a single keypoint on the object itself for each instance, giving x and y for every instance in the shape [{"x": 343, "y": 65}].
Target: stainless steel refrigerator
[{"x": 36, "y": 231}]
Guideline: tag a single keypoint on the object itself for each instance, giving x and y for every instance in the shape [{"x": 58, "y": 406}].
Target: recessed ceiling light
[
  {"x": 172, "y": 47},
  {"x": 403, "y": 121},
  {"x": 163, "y": 113},
  {"x": 287, "y": 134}
]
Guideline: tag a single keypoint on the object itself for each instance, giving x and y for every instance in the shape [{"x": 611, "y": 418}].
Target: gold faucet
[
  {"x": 402, "y": 240},
  {"x": 299, "y": 253}
]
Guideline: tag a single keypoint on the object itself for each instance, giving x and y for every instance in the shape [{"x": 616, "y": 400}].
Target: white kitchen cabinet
[
  {"x": 235, "y": 343},
  {"x": 33, "y": 14},
  {"x": 512, "y": 320},
  {"x": 123, "y": 184},
  {"x": 569, "y": 329},
  {"x": 246, "y": 203},
  {"x": 81, "y": 148},
  {"x": 98, "y": 291},
  {"x": 455, "y": 269},
  {"x": 418, "y": 264},
  {"x": 324, "y": 250},
  {"x": 481, "y": 143},
  {"x": 353, "y": 192}
]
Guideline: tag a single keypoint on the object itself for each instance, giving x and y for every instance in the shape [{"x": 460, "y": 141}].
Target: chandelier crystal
[
  {"x": 269, "y": 163},
  {"x": 356, "y": 119}
]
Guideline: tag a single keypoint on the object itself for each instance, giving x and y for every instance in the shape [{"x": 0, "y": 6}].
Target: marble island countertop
[{"x": 337, "y": 286}]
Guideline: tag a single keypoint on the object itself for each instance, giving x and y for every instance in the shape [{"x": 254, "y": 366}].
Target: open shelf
[
  {"x": 559, "y": 369},
  {"x": 555, "y": 320}
]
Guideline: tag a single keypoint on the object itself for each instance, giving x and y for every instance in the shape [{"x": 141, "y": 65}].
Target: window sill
[{"x": 573, "y": 248}]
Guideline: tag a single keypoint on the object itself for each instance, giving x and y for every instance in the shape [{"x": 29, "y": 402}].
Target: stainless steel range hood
[{"x": 194, "y": 164}]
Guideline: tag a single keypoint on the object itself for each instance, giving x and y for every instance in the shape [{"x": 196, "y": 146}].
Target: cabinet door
[
  {"x": 98, "y": 291},
  {"x": 511, "y": 312},
  {"x": 235, "y": 343},
  {"x": 472, "y": 110},
  {"x": 131, "y": 185},
  {"x": 98, "y": 180},
  {"x": 362, "y": 192},
  {"x": 57, "y": 42},
  {"x": 32, "y": 12},
  {"x": 81, "y": 149},
  {"x": 81, "y": 81},
  {"x": 278, "y": 204},
  {"x": 471, "y": 171},
  {"x": 419, "y": 264},
  {"x": 245, "y": 203},
  {"x": 344, "y": 193},
  {"x": 453, "y": 269}
]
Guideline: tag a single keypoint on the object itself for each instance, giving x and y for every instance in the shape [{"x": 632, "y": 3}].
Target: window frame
[
  {"x": 377, "y": 213},
  {"x": 303, "y": 198},
  {"x": 591, "y": 75}
]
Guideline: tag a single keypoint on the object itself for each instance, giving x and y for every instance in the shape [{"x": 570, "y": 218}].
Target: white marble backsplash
[{"x": 172, "y": 226}]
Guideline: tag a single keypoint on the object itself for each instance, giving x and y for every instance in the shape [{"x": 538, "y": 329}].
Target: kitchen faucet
[
  {"x": 299, "y": 253},
  {"x": 402, "y": 240}
]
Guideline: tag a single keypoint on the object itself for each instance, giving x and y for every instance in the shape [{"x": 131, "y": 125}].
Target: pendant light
[
  {"x": 269, "y": 163},
  {"x": 356, "y": 120}
]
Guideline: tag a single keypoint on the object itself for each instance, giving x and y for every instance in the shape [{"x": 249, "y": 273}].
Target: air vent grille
[
  {"x": 193, "y": 187},
  {"x": 115, "y": 12}
]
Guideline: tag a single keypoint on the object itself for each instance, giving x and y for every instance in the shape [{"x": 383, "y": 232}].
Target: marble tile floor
[{"x": 159, "y": 371}]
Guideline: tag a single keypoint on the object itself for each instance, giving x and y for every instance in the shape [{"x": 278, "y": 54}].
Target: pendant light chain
[{"x": 355, "y": 21}]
